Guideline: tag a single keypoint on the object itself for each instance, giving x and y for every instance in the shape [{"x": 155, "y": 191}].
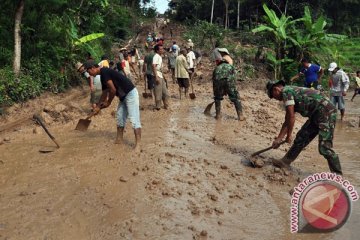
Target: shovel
[
  {"x": 49, "y": 149},
  {"x": 83, "y": 124},
  {"x": 192, "y": 94},
  {"x": 208, "y": 108},
  {"x": 146, "y": 94},
  {"x": 252, "y": 159}
]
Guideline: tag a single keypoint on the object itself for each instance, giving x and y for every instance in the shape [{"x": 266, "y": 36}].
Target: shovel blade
[
  {"x": 208, "y": 108},
  {"x": 83, "y": 124},
  {"x": 192, "y": 95}
]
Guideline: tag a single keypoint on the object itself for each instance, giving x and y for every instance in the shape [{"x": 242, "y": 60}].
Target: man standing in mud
[
  {"x": 322, "y": 118},
  {"x": 116, "y": 84},
  {"x": 224, "y": 82},
  {"x": 161, "y": 92},
  {"x": 312, "y": 73}
]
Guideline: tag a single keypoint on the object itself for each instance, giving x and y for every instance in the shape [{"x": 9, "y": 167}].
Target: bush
[{"x": 17, "y": 89}]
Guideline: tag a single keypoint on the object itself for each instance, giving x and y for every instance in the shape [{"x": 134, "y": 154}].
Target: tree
[
  {"x": 17, "y": 37},
  {"x": 226, "y": 2},
  {"x": 212, "y": 11}
]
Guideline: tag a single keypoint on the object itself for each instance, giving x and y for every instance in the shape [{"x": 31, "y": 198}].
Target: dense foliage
[
  {"x": 285, "y": 30},
  {"x": 342, "y": 15},
  {"x": 57, "y": 33}
]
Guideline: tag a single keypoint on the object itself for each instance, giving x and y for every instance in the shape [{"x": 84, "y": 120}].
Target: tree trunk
[
  {"x": 226, "y": 13},
  {"x": 212, "y": 11},
  {"x": 17, "y": 37},
  {"x": 238, "y": 16}
]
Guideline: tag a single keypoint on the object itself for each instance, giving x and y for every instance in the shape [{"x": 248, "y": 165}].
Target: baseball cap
[
  {"x": 271, "y": 84},
  {"x": 332, "y": 66}
]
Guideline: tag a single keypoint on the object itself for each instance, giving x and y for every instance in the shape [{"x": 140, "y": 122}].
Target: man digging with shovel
[
  {"x": 224, "y": 82},
  {"x": 117, "y": 84},
  {"x": 322, "y": 118}
]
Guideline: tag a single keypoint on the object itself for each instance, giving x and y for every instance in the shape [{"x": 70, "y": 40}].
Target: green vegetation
[
  {"x": 329, "y": 32},
  {"x": 55, "y": 34}
]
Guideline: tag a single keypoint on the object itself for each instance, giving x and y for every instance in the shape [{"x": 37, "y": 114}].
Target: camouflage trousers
[
  {"x": 224, "y": 87},
  {"x": 321, "y": 123}
]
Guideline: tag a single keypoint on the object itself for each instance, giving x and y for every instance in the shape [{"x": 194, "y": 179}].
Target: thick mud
[{"x": 192, "y": 179}]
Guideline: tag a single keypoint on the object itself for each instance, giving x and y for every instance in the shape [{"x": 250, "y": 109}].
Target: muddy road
[{"x": 192, "y": 179}]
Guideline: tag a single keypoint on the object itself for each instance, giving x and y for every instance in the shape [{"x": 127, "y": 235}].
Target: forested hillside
[{"x": 50, "y": 35}]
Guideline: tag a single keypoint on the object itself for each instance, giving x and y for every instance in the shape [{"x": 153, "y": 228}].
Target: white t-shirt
[
  {"x": 190, "y": 57},
  {"x": 158, "y": 61},
  {"x": 97, "y": 82}
]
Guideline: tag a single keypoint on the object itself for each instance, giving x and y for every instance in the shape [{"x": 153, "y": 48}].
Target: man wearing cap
[
  {"x": 339, "y": 84},
  {"x": 322, "y": 118},
  {"x": 312, "y": 73},
  {"x": 224, "y": 82},
  {"x": 94, "y": 84},
  {"x": 116, "y": 84}
]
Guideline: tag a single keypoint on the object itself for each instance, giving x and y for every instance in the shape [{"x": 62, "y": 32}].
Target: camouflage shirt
[
  {"x": 305, "y": 100},
  {"x": 224, "y": 71}
]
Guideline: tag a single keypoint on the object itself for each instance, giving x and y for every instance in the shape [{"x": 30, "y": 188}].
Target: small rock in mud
[
  {"x": 36, "y": 130},
  {"x": 156, "y": 181},
  {"x": 220, "y": 223},
  {"x": 167, "y": 154},
  {"x": 277, "y": 170},
  {"x": 258, "y": 163},
  {"x": 47, "y": 118},
  {"x": 192, "y": 228},
  {"x": 123, "y": 179},
  {"x": 7, "y": 139},
  {"x": 213, "y": 197},
  {"x": 203, "y": 233},
  {"x": 135, "y": 173},
  {"x": 286, "y": 172},
  {"x": 219, "y": 210},
  {"x": 59, "y": 107},
  {"x": 291, "y": 191},
  {"x": 195, "y": 212},
  {"x": 1, "y": 142},
  {"x": 224, "y": 167}
]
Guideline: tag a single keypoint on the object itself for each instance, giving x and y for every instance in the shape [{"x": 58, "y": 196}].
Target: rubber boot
[
  {"x": 119, "y": 135},
  {"x": 240, "y": 116},
  {"x": 218, "y": 109},
  {"x": 137, "y": 133}
]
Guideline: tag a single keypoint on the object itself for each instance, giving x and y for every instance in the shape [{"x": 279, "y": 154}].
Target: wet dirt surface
[{"x": 192, "y": 179}]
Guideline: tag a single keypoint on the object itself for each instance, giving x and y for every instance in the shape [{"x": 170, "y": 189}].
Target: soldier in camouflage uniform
[
  {"x": 224, "y": 82},
  {"x": 322, "y": 118}
]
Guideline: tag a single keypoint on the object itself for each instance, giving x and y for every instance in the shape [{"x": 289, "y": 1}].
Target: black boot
[{"x": 218, "y": 109}]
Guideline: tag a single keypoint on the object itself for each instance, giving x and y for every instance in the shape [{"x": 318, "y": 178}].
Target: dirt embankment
[{"x": 192, "y": 179}]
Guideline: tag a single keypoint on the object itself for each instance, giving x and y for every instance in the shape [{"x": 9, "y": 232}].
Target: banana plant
[
  {"x": 275, "y": 64},
  {"x": 278, "y": 27},
  {"x": 312, "y": 36},
  {"x": 82, "y": 42}
]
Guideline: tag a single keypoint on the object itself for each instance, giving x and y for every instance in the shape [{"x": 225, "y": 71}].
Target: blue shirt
[{"x": 311, "y": 73}]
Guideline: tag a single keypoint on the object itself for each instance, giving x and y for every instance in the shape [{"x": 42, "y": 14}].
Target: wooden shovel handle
[
  {"x": 38, "y": 119},
  {"x": 266, "y": 149}
]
